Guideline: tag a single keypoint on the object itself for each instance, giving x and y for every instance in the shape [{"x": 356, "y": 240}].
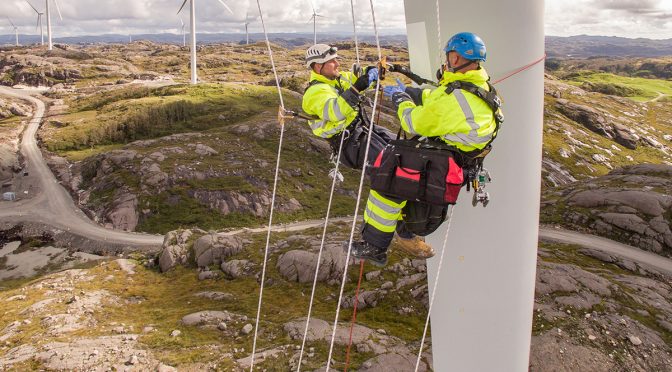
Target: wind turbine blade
[
  {"x": 38, "y": 21},
  {"x": 183, "y": 4},
  {"x": 10, "y": 21},
  {"x": 226, "y": 6},
  {"x": 31, "y": 5},
  {"x": 58, "y": 10},
  {"x": 312, "y": 6},
  {"x": 181, "y": 21}
]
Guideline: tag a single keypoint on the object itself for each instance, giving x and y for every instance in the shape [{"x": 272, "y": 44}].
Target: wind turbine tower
[
  {"x": 314, "y": 19},
  {"x": 184, "y": 35},
  {"x": 247, "y": 34},
  {"x": 16, "y": 31},
  {"x": 39, "y": 22},
  {"x": 192, "y": 19},
  {"x": 51, "y": 45}
]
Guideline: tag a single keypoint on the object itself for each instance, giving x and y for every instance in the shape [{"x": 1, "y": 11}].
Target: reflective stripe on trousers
[{"x": 382, "y": 213}]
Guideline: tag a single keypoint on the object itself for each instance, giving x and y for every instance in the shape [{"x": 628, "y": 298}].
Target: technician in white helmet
[{"x": 334, "y": 98}]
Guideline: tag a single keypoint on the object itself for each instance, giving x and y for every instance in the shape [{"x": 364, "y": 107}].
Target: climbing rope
[
  {"x": 354, "y": 29},
  {"x": 326, "y": 219},
  {"x": 275, "y": 187},
  {"x": 319, "y": 254},
  {"x": 521, "y": 69},
  {"x": 436, "y": 284},
  {"x": 438, "y": 33},
  {"x": 355, "y": 302},
  {"x": 450, "y": 216},
  {"x": 359, "y": 196}
]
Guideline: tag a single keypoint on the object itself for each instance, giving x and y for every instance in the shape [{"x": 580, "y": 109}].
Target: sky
[{"x": 625, "y": 18}]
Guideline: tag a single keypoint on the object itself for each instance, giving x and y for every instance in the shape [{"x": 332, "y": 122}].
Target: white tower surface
[{"x": 482, "y": 315}]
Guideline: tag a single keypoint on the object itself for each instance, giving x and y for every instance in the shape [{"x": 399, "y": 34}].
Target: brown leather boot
[{"x": 414, "y": 246}]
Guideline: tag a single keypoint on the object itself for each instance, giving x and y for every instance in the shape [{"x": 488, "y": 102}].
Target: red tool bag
[{"x": 420, "y": 171}]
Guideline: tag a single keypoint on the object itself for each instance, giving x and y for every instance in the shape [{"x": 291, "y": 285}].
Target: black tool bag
[
  {"x": 420, "y": 171},
  {"x": 423, "y": 219},
  {"x": 354, "y": 144}
]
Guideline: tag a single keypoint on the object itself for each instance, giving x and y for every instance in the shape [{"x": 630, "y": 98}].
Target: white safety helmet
[{"x": 320, "y": 53}]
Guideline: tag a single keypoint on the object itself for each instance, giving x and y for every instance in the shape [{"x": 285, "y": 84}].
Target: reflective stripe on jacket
[
  {"x": 461, "y": 119},
  {"x": 325, "y": 102}
]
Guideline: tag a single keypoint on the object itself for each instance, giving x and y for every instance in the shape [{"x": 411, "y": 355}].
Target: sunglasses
[{"x": 330, "y": 51}]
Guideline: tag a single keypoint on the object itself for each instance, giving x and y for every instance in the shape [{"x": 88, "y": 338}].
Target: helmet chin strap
[{"x": 450, "y": 68}]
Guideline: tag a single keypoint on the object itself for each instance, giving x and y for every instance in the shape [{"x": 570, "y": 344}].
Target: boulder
[
  {"x": 299, "y": 265},
  {"x": 121, "y": 157},
  {"x": 393, "y": 362},
  {"x": 172, "y": 256},
  {"x": 214, "y": 248},
  {"x": 123, "y": 214},
  {"x": 205, "y": 150},
  {"x": 206, "y": 317},
  {"x": 236, "y": 268}
]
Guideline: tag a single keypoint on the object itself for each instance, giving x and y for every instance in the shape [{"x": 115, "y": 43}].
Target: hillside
[{"x": 140, "y": 150}]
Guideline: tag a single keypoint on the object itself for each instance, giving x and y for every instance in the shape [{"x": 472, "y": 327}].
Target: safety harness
[{"x": 472, "y": 162}]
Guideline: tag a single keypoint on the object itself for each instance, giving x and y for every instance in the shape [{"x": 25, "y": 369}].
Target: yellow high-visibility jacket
[
  {"x": 335, "y": 110},
  {"x": 461, "y": 118}
]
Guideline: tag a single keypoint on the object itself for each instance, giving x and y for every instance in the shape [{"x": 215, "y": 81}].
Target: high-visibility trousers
[{"x": 381, "y": 219}]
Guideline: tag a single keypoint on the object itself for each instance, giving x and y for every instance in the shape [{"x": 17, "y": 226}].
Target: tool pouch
[{"x": 413, "y": 170}]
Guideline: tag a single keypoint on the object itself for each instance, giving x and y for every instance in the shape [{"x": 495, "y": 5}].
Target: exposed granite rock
[{"x": 214, "y": 248}]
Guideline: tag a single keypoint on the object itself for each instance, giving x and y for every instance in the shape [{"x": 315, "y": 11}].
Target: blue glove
[
  {"x": 372, "y": 73},
  {"x": 389, "y": 90}
]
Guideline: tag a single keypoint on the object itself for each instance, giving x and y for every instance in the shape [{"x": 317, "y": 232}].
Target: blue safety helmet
[{"x": 468, "y": 45}]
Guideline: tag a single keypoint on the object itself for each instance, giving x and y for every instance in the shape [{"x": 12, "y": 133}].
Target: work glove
[
  {"x": 399, "y": 97},
  {"x": 389, "y": 90},
  {"x": 372, "y": 73},
  {"x": 366, "y": 79}
]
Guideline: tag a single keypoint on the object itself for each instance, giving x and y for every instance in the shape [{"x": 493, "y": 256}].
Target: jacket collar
[
  {"x": 322, "y": 79},
  {"x": 478, "y": 77}
]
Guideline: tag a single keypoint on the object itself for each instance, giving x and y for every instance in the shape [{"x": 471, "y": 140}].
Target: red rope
[
  {"x": 520, "y": 69},
  {"x": 354, "y": 315}
]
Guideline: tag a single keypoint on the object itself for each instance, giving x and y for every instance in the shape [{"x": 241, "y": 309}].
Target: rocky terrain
[
  {"x": 587, "y": 134},
  {"x": 80, "y": 318},
  {"x": 631, "y": 204},
  {"x": 13, "y": 114},
  {"x": 157, "y": 158}
]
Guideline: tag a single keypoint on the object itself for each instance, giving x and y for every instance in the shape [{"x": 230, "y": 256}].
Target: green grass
[
  {"x": 127, "y": 114},
  {"x": 644, "y": 89},
  {"x": 11, "y": 122},
  {"x": 79, "y": 155},
  {"x": 230, "y": 183}
]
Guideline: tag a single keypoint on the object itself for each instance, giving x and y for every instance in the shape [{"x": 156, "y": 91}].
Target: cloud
[
  {"x": 629, "y": 18},
  {"x": 626, "y": 18}
]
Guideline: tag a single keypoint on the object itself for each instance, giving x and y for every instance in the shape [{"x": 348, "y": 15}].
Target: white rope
[
  {"x": 354, "y": 29},
  {"x": 436, "y": 284},
  {"x": 319, "y": 255},
  {"x": 359, "y": 196},
  {"x": 438, "y": 33},
  {"x": 331, "y": 196},
  {"x": 275, "y": 187}
]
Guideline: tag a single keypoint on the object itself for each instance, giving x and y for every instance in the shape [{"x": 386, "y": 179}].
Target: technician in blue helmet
[{"x": 463, "y": 112}]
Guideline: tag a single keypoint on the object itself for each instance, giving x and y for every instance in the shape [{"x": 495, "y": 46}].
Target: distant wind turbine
[
  {"x": 314, "y": 19},
  {"x": 192, "y": 19},
  {"x": 16, "y": 31},
  {"x": 51, "y": 45},
  {"x": 247, "y": 34},
  {"x": 39, "y": 22},
  {"x": 184, "y": 35}
]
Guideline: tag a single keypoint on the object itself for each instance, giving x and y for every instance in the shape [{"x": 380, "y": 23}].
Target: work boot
[
  {"x": 414, "y": 246},
  {"x": 368, "y": 251}
]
